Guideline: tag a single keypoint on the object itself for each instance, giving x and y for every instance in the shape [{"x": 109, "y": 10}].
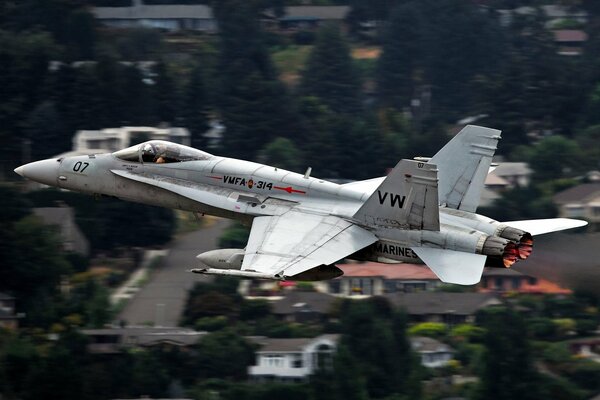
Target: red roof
[
  {"x": 387, "y": 271},
  {"x": 570, "y": 35}
]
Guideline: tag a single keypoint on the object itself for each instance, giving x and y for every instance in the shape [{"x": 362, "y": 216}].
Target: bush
[{"x": 430, "y": 329}]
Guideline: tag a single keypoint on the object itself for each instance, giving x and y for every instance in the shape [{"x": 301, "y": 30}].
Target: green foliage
[
  {"x": 508, "y": 371},
  {"x": 282, "y": 153},
  {"x": 211, "y": 324},
  {"x": 431, "y": 329},
  {"x": 585, "y": 374},
  {"x": 374, "y": 336},
  {"x": 467, "y": 332},
  {"x": 329, "y": 74},
  {"x": 541, "y": 328},
  {"x": 557, "y": 354},
  {"x": 224, "y": 354},
  {"x": 235, "y": 236},
  {"x": 555, "y": 157}
]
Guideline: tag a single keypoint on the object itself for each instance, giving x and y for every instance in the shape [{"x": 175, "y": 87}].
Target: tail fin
[
  {"x": 463, "y": 164},
  {"x": 406, "y": 199}
]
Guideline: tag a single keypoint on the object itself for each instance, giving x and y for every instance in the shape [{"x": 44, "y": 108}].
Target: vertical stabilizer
[
  {"x": 406, "y": 199},
  {"x": 463, "y": 165}
]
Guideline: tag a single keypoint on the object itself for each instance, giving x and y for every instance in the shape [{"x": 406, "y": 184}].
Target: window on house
[
  {"x": 516, "y": 283},
  {"x": 335, "y": 286},
  {"x": 297, "y": 361},
  {"x": 498, "y": 283}
]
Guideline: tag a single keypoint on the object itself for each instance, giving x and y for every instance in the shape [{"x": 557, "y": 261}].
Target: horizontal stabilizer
[
  {"x": 453, "y": 266},
  {"x": 540, "y": 226}
]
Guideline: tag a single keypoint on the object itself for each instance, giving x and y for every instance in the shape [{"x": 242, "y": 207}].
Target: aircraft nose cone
[{"x": 45, "y": 171}]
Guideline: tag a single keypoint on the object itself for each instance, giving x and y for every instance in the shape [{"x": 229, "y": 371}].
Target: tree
[
  {"x": 195, "y": 105},
  {"x": 165, "y": 93},
  {"x": 400, "y": 61},
  {"x": 554, "y": 157},
  {"x": 330, "y": 75},
  {"x": 254, "y": 105},
  {"x": 45, "y": 129},
  {"x": 375, "y": 336},
  {"x": 224, "y": 354},
  {"x": 282, "y": 153},
  {"x": 508, "y": 371}
]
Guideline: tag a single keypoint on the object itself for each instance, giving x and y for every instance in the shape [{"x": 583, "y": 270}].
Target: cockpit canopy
[{"x": 160, "y": 152}]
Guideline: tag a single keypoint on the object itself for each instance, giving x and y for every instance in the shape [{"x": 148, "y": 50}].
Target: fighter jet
[{"x": 424, "y": 211}]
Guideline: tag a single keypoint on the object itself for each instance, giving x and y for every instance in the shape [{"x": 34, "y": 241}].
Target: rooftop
[
  {"x": 578, "y": 194},
  {"x": 387, "y": 271},
  {"x": 443, "y": 303},
  {"x": 297, "y": 300},
  {"x": 290, "y": 345}
]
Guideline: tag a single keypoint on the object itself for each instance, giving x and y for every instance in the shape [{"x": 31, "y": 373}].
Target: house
[
  {"x": 73, "y": 240},
  {"x": 292, "y": 360},
  {"x": 375, "y": 279},
  {"x": 166, "y": 17},
  {"x": 581, "y": 201},
  {"x": 113, "y": 139},
  {"x": 449, "y": 308},
  {"x": 554, "y": 14},
  {"x": 303, "y": 307},
  {"x": 505, "y": 176},
  {"x": 504, "y": 280},
  {"x": 570, "y": 42},
  {"x": 312, "y": 17},
  {"x": 8, "y": 318},
  {"x": 176, "y": 17},
  {"x": 116, "y": 340},
  {"x": 586, "y": 347},
  {"x": 433, "y": 353}
]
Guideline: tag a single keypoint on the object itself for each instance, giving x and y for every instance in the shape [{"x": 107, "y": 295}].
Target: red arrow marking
[
  {"x": 214, "y": 177},
  {"x": 289, "y": 189}
]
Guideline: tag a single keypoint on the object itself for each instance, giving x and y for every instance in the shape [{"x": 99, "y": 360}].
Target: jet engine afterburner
[{"x": 511, "y": 246}]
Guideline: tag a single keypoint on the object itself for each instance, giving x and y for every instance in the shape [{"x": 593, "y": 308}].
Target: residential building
[
  {"x": 554, "y": 14},
  {"x": 433, "y": 353},
  {"x": 8, "y": 318},
  {"x": 63, "y": 217},
  {"x": 116, "y": 340},
  {"x": 570, "y": 42},
  {"x": 166, "y": 17},
  {"x": 449, "y": 308},
  {"x": 505, "y": 176},
  {"x": 292, "y": 360},
  {"x": 581, "y": 201},
  {"x": 303, "y": 307},
  {"x": 504, "y": 280},
  {"x": 311, "y": 17},
  {"x": 375, "y": 279},
  {"x": 113, "y": 139},
  {"x": 586, "y": 347},
  {"x": 177, "y": 17}
]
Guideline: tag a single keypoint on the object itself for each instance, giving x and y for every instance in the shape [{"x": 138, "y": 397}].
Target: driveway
[{"x": 162, "y": 300}]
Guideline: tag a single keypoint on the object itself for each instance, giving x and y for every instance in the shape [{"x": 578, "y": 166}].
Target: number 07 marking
[{"x": 80, "y": 166}]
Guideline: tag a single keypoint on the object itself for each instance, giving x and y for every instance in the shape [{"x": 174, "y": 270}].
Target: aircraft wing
[{"x": 297, "y": 241}]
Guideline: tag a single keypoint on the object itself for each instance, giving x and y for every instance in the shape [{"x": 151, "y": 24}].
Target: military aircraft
[{"x": 424, "y": 211}]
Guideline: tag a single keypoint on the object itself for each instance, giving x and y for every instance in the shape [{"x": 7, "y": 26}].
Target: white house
[
  {"x": 113, "y": 139},
  {"x": 434, "y": 354},
  {"x": 292, "y": 360}
]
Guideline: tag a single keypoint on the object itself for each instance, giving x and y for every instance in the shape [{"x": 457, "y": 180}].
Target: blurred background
[{"x": 95, "y": 302}]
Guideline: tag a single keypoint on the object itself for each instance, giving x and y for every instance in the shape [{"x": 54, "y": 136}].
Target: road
[{"x": 161, "y": 301}]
